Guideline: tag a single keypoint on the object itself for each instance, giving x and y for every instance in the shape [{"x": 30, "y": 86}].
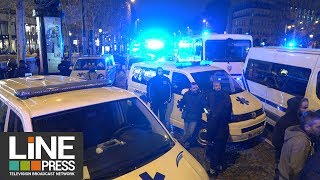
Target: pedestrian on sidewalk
[
  {"x": 298, "y": 145},
  {"x": 220, "y": 108},
  {"x": 192, "y": 104},
  {"x": 296, "y": 106}
]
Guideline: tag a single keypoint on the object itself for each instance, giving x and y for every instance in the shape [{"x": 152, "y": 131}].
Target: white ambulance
[
  {"x": 276, "y": 74},
  {"x": 248, "y": 118},
  {"x": 122, "y": 138},
  {"x": 105, "y": 67}
]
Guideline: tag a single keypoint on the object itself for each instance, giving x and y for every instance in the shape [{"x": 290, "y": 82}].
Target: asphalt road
[{"x": 249, "y": 160}]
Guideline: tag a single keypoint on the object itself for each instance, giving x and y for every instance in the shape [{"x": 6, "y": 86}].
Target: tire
[
  {"x": 202, "y": 134},
  {"x": 100, "y": 76}
]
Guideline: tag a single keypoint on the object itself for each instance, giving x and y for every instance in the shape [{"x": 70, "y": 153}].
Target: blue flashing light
[
  {"x": 292, "y": 44},
  {"x": 183, "y": 64},
  {"x": 205, "y": 33},
  {"x": 184, "y": 44},
  {"x": 154, "y": 44},
  {"x": 204, "y": 63},
  {"x": 135, "y": 49}
]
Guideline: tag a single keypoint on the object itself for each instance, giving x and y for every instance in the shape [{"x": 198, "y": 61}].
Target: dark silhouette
[
  {"x": 64, "y": 68},
  {"x": 220, "y": 107},
  {"x": 22, "y": 69}
]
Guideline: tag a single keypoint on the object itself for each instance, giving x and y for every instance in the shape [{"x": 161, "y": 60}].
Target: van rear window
[{"x": 289, "y": 79}]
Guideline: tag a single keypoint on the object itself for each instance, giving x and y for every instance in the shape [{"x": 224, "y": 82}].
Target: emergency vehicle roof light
[{"x": 52, "y": 89}]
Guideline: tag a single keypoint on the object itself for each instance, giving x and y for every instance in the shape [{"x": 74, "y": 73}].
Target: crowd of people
[
  {"x": 296, "y": 142},
  {"x": 216, "y": 103},
  {"x": 295, "y": 136}
]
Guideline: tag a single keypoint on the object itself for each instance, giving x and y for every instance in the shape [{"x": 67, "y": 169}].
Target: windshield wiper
[{"x": 108, "y": 144}]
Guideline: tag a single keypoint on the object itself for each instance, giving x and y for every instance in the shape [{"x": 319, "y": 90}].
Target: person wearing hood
[
  {"x": 296, "y": 106},
  {"x": 192, "y": 104},
  {"x": 298, "y": 145},
  {"x": 220, "y": 108}
]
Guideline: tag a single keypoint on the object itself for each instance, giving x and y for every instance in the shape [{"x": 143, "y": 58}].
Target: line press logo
[{"x": 42, "y": 155}]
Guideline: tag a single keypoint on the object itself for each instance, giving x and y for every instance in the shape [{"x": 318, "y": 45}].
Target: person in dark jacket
[
  {"x": 64, "y": 68},
  {"x": 192, "y": 103},
  {"x": 22, "y": 69},
  {"x": 311, "y": 170},
  {"x": 220, "y": 107},
  {"x": 296, "y": 106},
  {"x": 159, "y": 94}
]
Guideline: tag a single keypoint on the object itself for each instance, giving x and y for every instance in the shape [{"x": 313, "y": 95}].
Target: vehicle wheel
[
  {"x": 202, "y": 135},
  {"x": 100, "y": 76}
]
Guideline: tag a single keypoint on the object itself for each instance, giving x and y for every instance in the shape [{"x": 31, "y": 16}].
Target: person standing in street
[
  {"x": 296, "y": 106},
  {"x": 220, "y": 109},
  {"x": 22, "y": 69},
  {"x": 192, "y": 104},
  {"x": 159, "y": 94},
  {"x": 92, "y": 73},
  {"x": 298, "y": 145},
  {"x": 121, "y": 77},
  {"x": 64, "y": 68}
]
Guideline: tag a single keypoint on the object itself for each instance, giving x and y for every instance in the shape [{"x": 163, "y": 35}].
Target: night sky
[{"x": 169, "y": 14}]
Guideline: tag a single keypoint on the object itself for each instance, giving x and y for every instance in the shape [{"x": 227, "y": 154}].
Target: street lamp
[
  {"x": 100, "y": 30},
  {"x": 204, "y": 20},
  {"x": 289, "y": 27},
  {"x": 133, "y": 1},
  {"x": 70, "y": 34},
  {"x": 311, "y": 36},
  {"x": 317, "y": 22}
]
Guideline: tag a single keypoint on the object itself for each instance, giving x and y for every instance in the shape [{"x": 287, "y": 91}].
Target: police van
[
  {"x": 122, "y": 137},
  {"x": 248, "y": 118},
  {"x": 276, "y": 74},
  {"x": 105, "y": 67}
]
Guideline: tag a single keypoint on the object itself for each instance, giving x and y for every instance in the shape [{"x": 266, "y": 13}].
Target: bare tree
[{"x": 20, "y": 26}]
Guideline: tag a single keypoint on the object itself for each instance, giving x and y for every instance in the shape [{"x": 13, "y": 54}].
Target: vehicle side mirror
[{"x": 184, "y": 91}]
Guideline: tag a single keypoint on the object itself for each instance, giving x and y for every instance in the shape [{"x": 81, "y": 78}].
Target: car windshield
[
  {"x": 227, "y": 51},
  {"x": 228, "y": 84},
  {"x": 119, "y": 136},
  {"x": 84, "y": 64}
]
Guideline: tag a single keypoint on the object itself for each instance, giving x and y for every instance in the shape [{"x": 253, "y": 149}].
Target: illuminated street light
[
  {"x": 302, "y": 28},
  {"x": 70, "y": 34},
  {"x": 133, "y": 1},
  {"x": 100, "y": 30},
  {"x": 293, "y": 26},
  {"x": 311, "y": 36},
  {"x": 204, "y": 20},
  {"x": 289, "y": 27},
  {"x": 317, "y": 22},
  {"x": 301, "y": 22},
  {"x": 138, "y": 19}
]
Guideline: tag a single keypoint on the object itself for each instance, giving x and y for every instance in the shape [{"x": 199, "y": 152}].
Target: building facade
[
  {"x": 268, "y": 20},
  {"x": 8, "y": 32}
]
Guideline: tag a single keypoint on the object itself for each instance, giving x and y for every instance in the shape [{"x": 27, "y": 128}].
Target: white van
[
  {"x": 134, "y": 142},
  {"x": 248, "y": 116},
  {"x": 105, "y": 66},
  {"x": 277, "y": 74}
]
